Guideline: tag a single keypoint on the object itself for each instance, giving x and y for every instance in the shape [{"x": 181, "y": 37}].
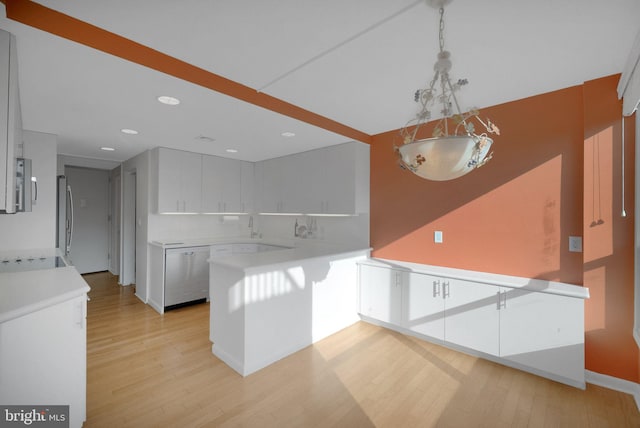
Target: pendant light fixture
[{"x": 454, "y": 148}]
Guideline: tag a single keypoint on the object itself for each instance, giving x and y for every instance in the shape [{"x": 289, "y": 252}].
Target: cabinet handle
[
  {"x": 502, "y": 300},
  {"x": 446, "y": 290},
  {"x": 398, "y": 281},
  {"x": 436, "y": 288},
  {"x": 177, "y": 205}
]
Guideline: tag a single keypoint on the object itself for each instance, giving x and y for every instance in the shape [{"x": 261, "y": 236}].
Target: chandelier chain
[{"x": 441, "y": 30}]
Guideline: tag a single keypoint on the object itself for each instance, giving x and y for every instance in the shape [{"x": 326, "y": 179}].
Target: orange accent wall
[
  {"x": 608, "y": 237},
  {"x": 514, "y": 216}
]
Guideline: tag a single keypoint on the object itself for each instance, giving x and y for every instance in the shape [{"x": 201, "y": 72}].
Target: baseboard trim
[{"x": 614, "y": 383}]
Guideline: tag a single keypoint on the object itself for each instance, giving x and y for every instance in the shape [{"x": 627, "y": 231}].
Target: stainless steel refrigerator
[{"x": 64, "y": 230}]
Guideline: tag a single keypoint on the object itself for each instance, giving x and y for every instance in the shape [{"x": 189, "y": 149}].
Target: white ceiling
[{"x": 357, "y": 62}]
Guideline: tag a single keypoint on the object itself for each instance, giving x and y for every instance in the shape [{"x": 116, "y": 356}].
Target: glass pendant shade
[{"x": 444, "y": 158}]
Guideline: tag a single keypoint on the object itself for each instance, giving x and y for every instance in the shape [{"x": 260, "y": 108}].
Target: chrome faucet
[{"x": 254, "y": 234}]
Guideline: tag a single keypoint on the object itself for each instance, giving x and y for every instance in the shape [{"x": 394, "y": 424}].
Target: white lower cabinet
[
  {"x": 472, "y": 318},
  {"x": 444, "y": 309},
  {"x": 543, "y": 331},
  {"x": 532, "y": 330},
  {"x": 423, "y": 305},
  {"x": 381, "y": 298},
  {"x": 43, "y": 359}
]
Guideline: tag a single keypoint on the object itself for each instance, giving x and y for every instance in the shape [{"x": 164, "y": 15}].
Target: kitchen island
[
  {"x": 43, "y": 339},
  {"x": 267, "y": 305}
]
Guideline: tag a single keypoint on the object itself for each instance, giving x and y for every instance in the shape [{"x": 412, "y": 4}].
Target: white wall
[
  {"x": 66, "y": 160},
  {"x": 35, "y": 229},
  {"x": 353, "y": 230}
]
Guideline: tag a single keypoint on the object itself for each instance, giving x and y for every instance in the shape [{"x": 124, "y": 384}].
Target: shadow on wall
[
  {"x": 512, "y": 216},
  {"x": 609, "y": 252}
]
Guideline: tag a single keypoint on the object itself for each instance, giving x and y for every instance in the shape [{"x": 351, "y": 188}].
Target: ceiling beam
[{"x": 43, "y": 18}]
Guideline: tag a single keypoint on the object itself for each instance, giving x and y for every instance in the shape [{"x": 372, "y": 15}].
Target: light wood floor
[{"x": 148, "y": 370}]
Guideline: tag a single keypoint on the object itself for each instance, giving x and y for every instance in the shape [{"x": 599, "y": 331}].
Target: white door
[{"x": 90, "y": 245}]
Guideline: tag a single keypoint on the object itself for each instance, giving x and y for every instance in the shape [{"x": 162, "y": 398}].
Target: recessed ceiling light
[
  {"x": 171, "y": 101},
  {"x": 231, "y": 151},
  {"x": 205, "y": 139},
  {"x": 288, "y": 134},
  {"x": 107, "y": 149},
  {"x": 129, "y": 131}
]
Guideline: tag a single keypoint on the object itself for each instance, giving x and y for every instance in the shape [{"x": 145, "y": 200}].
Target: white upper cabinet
[
  {"x": 179, "y": 181},
  {"x": 346, "y": 179},
  {"x": 247, "y": 180},
  {"x": 196, "y": 183},
  {"x": 221, "y": 185},
  {"x": 332, "y": 180},
  {"x": 10, "y": 120},
  {"x": 269, "y": 184}
]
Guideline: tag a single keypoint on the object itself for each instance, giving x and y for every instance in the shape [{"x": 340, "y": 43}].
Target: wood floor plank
[{"x": 151, "y": 370}]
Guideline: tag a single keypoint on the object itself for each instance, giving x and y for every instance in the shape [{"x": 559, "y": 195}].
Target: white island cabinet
[
  {"x": 43, "y": 340},
  {"x": 529, "y": 324},
  {"x": 267, "y": 305}
]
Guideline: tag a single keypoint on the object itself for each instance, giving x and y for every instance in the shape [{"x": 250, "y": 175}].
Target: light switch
[
  {"x": 437, "y": 237},
  {"x": 575, "y": 244}
]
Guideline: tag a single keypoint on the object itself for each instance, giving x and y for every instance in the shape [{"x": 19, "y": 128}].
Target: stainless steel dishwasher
[{"x": 186, "y": 276}]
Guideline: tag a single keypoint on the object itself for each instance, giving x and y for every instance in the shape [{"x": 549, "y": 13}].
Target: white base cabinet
[
  {"x": 555, "y": 344},
  {"x": 382, "y": 298},
  {"x": 43, "y": 358},
  {"x": 526, "y": 328}
]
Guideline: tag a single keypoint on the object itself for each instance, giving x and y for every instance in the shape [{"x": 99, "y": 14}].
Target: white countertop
[
  {"x": 22, "y": 293},
  {"x": 305, "y": 251},
  {"x": 532, "y": 284},
  {"x": 205, "y": 242}
]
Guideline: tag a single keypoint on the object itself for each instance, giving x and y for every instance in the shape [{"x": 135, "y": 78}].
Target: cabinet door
[
  {"x": 423, "y": 305},
  {"x": 472, "y": 317},
  {"x": 169, "y": 181},
  {"x": 221, "y": 184},
  {"x": 247, "y": 180},
  {"x": 268, "y": 179},
  {"x": 544, "y": 331},
  {"x": 381, "y": 293},
  {"x": 340, "y": 180},
  {"x": 179, "y": 181},
  {"x": 191, "y": 182},
  {"x": 43, "y": 358},
  {"x": 304, "y": 188}
]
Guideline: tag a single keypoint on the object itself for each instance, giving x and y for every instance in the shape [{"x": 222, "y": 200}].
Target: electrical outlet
[
  {"x": 437, "y": 237},
  {"x": 575, "y": 244}
]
